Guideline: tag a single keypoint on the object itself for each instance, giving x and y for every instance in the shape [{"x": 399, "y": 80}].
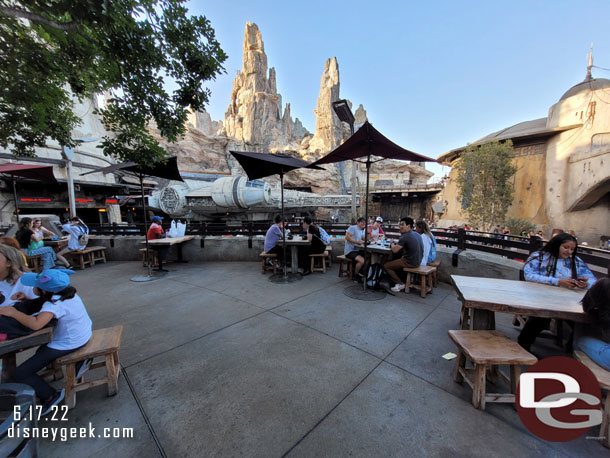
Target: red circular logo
[{"x": 559, "y": 399}]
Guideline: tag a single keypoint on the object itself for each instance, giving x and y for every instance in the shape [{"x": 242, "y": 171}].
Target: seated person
[
  {"x": 25, "y": 236},
  {"x": 410, "y": 243},
  {"x": 72, "y": 331},
  {"x": 354, "y": 239},
  {"x": 375, "y": 232},
  {"x": 429, "y": 244},
  {"x": 274, "y": 234},
  {"x": 79, "y": 236},
  {"x": 594, "y": 338},
  {"x": 317, "y": 245},
  {"x": 155, "y": 231},
  {"x": 556, "y": 264}
]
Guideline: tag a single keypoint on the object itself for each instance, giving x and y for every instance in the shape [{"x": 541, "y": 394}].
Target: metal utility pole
[{"x": 68, "y": 155}]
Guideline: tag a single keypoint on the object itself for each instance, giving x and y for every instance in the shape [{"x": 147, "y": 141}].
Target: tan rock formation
[
  {"x": 329, "y": 130},
  {"x": 256, "y": 121},
  {"x": 254, "y": 116}
]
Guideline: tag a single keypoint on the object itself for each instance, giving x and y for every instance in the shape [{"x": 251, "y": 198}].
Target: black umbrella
[
  {"x": 259, "y": 165},
  {"x": 368, "y": 142},
  {"x": 164, "y": 169},
  {"x": 42, "y": 173}
]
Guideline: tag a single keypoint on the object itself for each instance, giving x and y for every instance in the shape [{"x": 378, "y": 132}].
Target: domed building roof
[{"x": 592, "y": 84}]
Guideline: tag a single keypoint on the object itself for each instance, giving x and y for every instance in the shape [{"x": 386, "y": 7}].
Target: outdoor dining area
[
  {"x": 215, "y": 351},
  {"x": 226, "y": 349}
]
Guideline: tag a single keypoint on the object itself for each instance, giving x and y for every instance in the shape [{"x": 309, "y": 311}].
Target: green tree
[
  {"x": 484, "y": 184},
  {"x": 53, "y": 52},
  {"x": 518, "y": 225}
]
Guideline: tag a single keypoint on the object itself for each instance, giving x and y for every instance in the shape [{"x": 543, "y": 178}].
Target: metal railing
[{"x": 509, "y": 246}]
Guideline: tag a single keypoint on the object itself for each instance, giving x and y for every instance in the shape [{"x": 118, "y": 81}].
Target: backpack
[
  {"x": 83, "y": 239},
  {"x": 324, "y": 237},
  {"x": 374, "y": 274}
]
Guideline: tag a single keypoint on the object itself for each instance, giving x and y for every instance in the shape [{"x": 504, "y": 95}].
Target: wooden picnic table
[
  {"x": 294, "y": 245},
  {"x": 378, "y": 253},
  {"x": 58, "y": 244},
  {"x": 484, "y": 296},
  {"x": 9, "y": 349},
  {"x": 167, "y": 242}
]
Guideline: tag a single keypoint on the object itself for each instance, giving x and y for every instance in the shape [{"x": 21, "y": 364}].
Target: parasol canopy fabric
[
  {"x": 42, "y": 173},
  {"x": 260, "y": 165},
  {"x": 168, "y": 169},
  {"x": 369, "y": 141}
]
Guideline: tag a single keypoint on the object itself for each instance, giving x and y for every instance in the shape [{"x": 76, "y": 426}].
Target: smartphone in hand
[{"x": 582, "y": 282}]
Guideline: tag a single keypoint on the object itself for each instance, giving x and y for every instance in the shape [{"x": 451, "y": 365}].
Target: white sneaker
[{"x": 398, "y": 287}]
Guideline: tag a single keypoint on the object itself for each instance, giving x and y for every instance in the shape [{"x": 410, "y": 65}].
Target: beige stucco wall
[
  {"x": 528, "y": 201},
  {"x": 574, "y": 165},
  {"x": 558, "y": 180}
]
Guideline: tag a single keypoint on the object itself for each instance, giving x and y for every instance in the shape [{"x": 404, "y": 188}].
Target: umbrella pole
[
  {"x": 284, "y": 221},
  {"x": 366, "y": 216},
  {"x": 15, "y": 197},
  {"x": 145, "y": 225}
]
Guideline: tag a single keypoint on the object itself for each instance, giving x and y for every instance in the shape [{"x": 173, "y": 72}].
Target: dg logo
[{"x": 558, "y": 399}]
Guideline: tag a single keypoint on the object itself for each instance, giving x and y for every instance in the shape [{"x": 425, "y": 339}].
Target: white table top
[
  {"x": 170, "y": 240},
  {"x": 520, "y": 297}
]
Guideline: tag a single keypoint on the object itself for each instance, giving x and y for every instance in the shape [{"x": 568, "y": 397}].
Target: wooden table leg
[
  {"x": 9, "y": 364},
  {"x": 515, "y": 372},
  {"x": 478, "y": 391},
  {"x": 604, "y": 429},
  {"x": 482, "y": 319},
  {"x": 294, "y": 250}
]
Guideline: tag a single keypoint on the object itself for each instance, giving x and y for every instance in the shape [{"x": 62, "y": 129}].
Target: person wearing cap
[
  {"x": 155, "y": 231},
  {"x": 375, "y": 232},
  {"x": 72, "y": 331}
]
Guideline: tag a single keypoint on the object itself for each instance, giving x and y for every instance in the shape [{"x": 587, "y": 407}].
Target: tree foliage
[
  {"x": 484, "y": 184},
  {"x": 518, "y": 225},
  {"x": 52, "y": 52}
]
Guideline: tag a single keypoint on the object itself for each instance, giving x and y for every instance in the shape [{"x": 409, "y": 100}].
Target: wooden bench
[
  {"x": 88, "y": 256},
  {"x": 349, "y": 269},
  {"x": 486, "y": 349},
  {"x": 425, "y": 273},
  {"x": 603, "y": 377},
  {"x": 322, "y": 256},
  {"x": 151, "y": 253},
  {"x": 436, "y": 264},
  {"x": 264, "y": 265},
  {"x": 103, "y": 343},
  {"x": 34, "y": 263},
  {"x": 329, "y": 250}
]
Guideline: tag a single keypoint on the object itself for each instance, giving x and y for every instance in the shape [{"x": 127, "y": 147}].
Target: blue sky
[{"x": 432, "y": 76}]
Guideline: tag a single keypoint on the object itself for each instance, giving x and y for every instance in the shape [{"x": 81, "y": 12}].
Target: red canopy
[{"x": 34, "y": 172}]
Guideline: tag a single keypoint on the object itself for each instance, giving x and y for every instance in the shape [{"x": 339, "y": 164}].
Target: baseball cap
[
  {"x": 53, "y": 280},
  {"x": 157, "y": 218},
  {"x": 379, "y": 219}
]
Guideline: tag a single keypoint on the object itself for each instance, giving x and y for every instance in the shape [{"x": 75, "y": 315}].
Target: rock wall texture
[{"x": 256, "y": 120}]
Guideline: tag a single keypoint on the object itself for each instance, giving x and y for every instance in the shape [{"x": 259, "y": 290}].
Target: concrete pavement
[{"x": 219, "y": 362}]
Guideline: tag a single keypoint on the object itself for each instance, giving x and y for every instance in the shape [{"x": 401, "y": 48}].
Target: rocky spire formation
[
  {"x": 254, "y": 116},
  {"x": 256, "y": 120},
  {"x": 329, "y": 130}
]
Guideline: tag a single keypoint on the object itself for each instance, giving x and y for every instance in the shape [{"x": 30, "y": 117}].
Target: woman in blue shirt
[{"x": 556, "y": 264}]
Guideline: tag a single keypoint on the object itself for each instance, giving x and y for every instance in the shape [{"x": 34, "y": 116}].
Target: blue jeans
[
  {"x": 47, "y": 256},
  {"x": 597, "y": 350},
  {"x": 26, "y": 372}
]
